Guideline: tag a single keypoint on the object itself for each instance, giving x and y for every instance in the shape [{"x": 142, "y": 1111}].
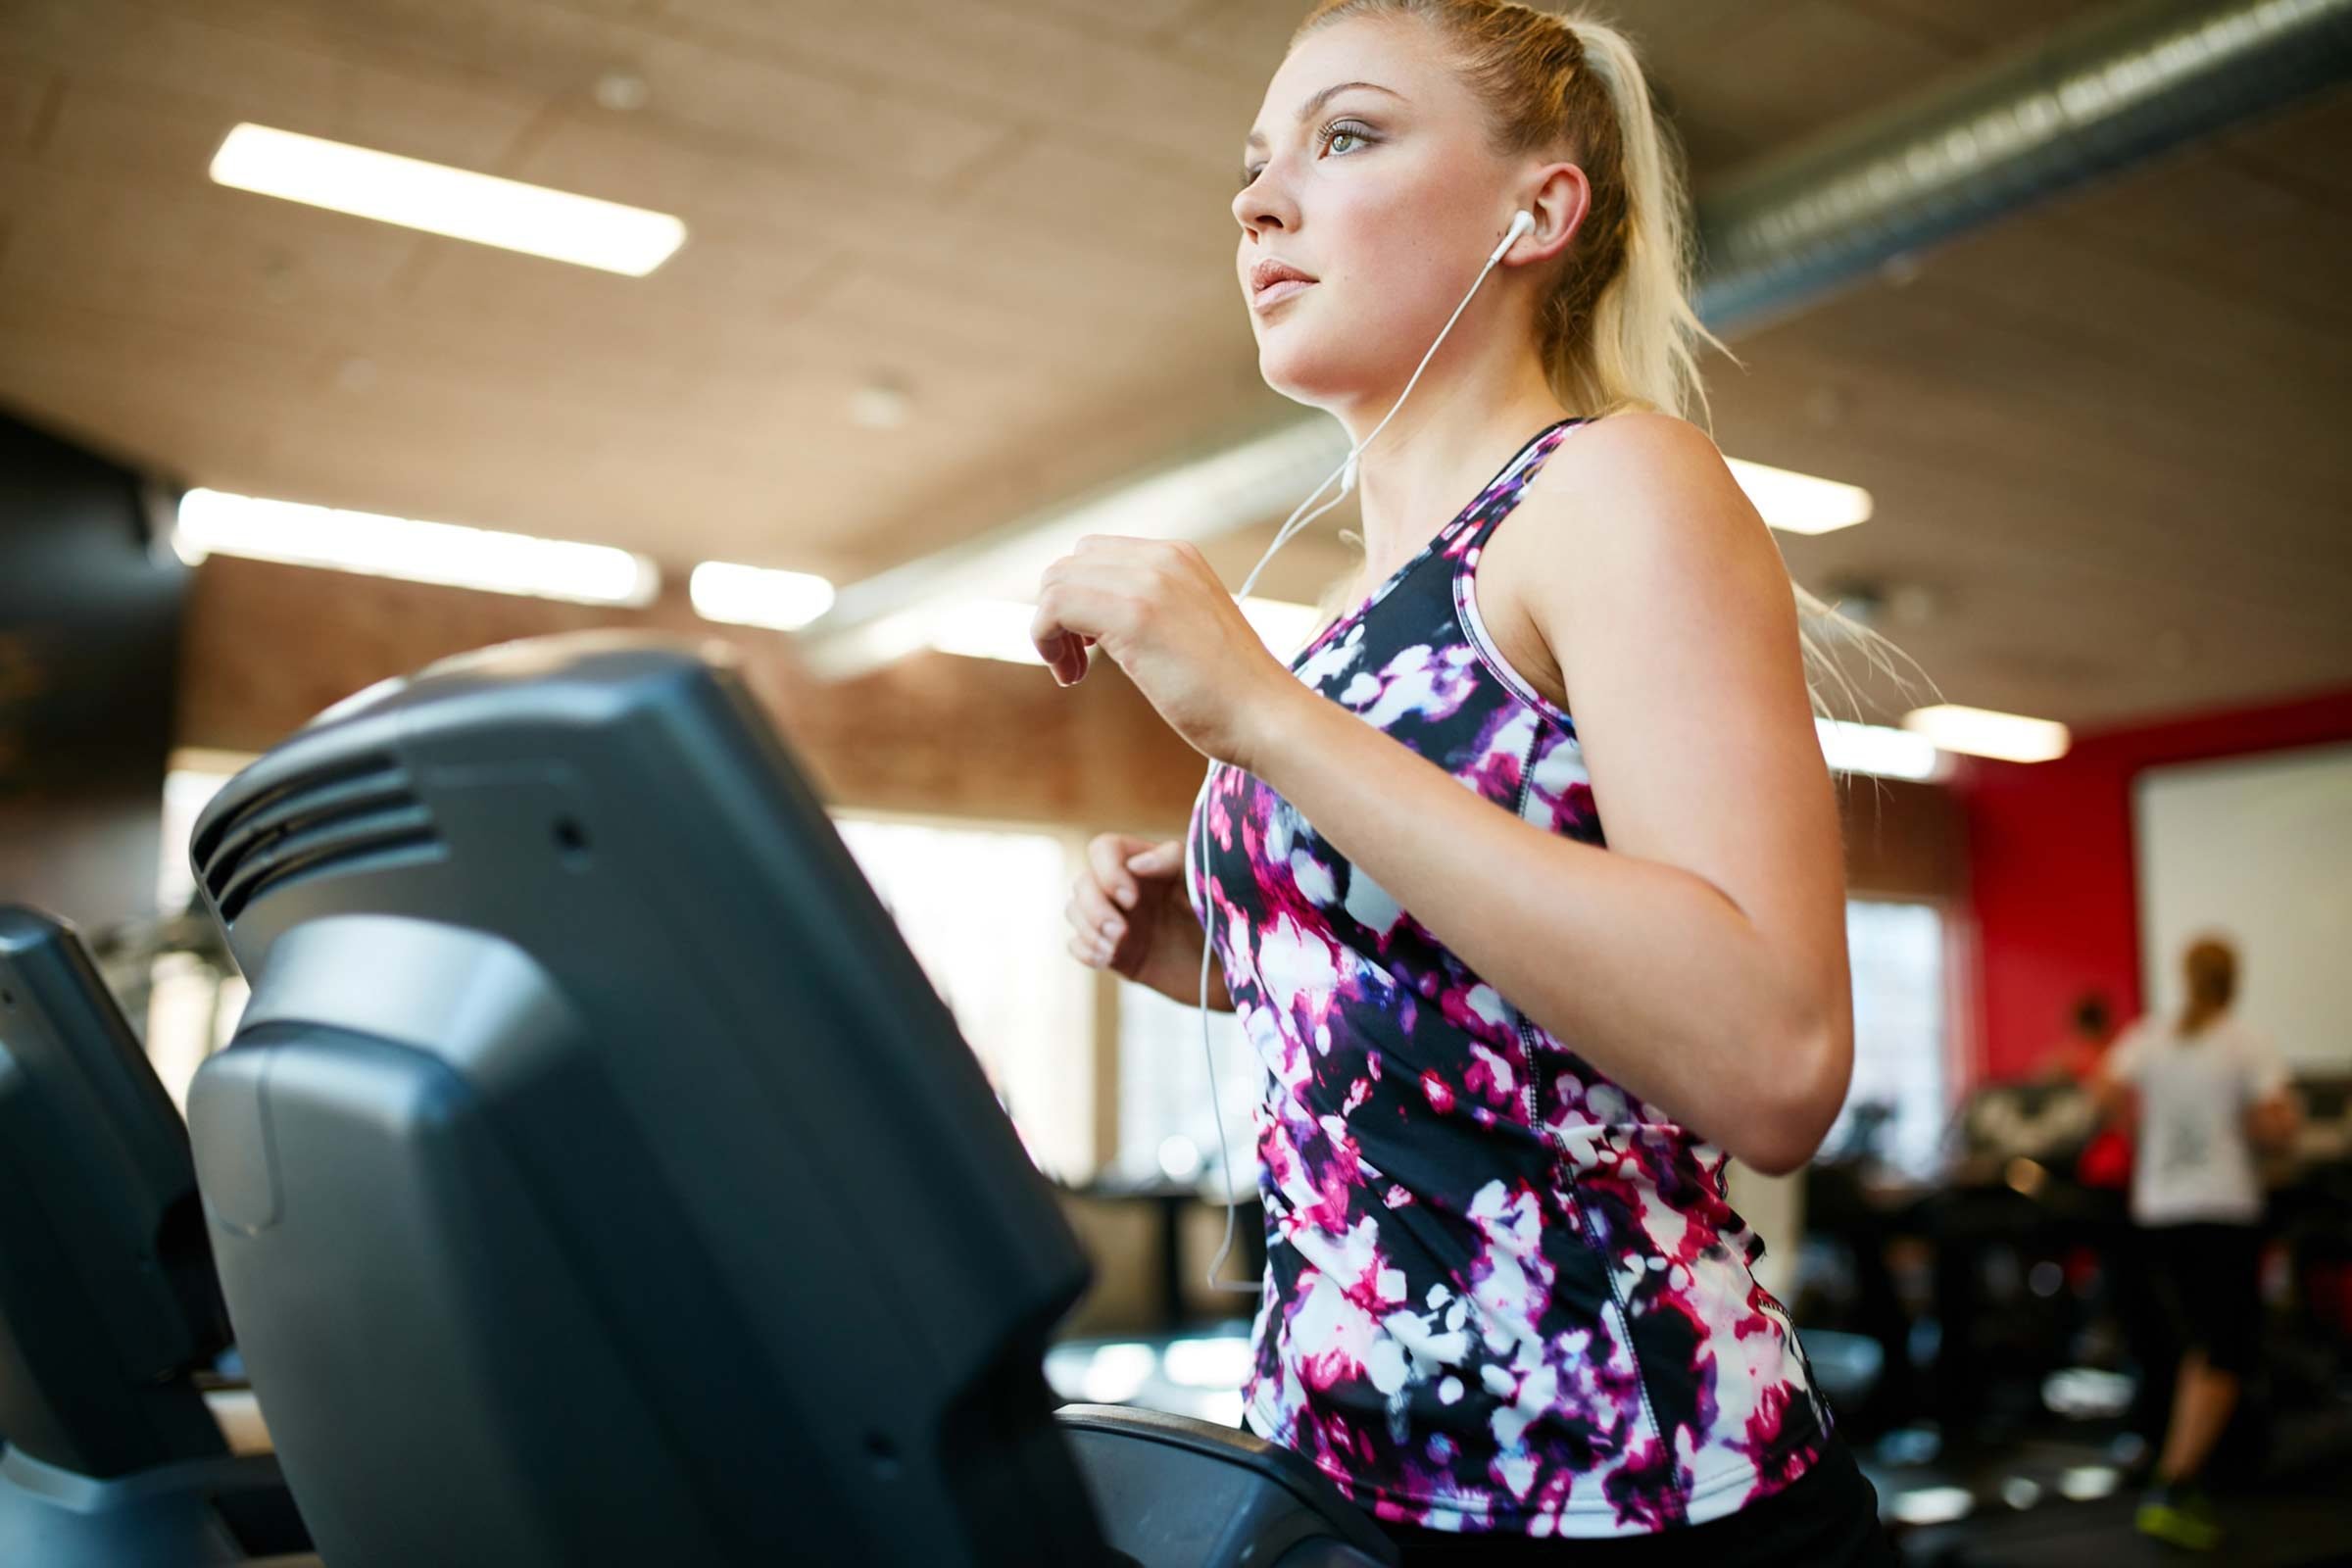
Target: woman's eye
[{"x": 1328, "y": 135}]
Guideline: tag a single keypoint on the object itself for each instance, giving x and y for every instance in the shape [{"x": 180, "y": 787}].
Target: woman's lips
[{"x": 1269, "y": 298}]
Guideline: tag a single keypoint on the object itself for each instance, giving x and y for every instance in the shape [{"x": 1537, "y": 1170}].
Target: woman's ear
[{"x": 1559, "y": 200}]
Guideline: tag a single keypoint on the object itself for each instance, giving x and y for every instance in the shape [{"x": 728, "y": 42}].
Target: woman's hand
[
  {"x": 1128, "y": 915},
  {"x": 1157, "y": 609}
]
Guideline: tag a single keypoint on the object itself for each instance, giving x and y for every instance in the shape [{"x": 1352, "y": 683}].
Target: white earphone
[{"x": 1522, "y": 222}]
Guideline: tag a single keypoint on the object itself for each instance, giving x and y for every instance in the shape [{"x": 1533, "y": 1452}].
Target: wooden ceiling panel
[
  {"x": 132, "y": 251},
  {"x": 809, "y": 117},
  {"x": 26, "y": 89},
  {"x": 425, "y": 444},
  {"x": 891, "y": 322},
  {"x": 1242, "y": 39},
  {"x": 1774, "y": 73},
  {"x": 1146, "y": 21},
  {"x": 540, "y": 50},
  {"x": 1998, "y": 457},
  {"x": 717, "y": 314},
  {"x": 189, "y": 55},
  {"x": 651, "y": 160},
  {"x": 109, "y": 130},
  {"x": 1035, "y": 265},
  {"x": 2095, "y": 287},
  {"x": 1052, "y": 188},
  {"x": 2302, "y": 148},
  {"x": 174, "y": 395},
  {"x": 914, "y": 53},
  {"x": 1111, "y": 418},
  {"x": 2086, "y": 643},
  {"x": 2006, "y": 382},
  {"x": 2229, "y": 231},
  {"x": 1979, "y": 28}
]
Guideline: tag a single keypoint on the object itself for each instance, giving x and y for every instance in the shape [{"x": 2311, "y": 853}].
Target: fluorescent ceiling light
[
  {"x": 1800, "y": 502},
  {"x": 1980, "y": 732},
  {"x": 1879, "y": 751},
  {"x": 441, "y": 200},
  {"x": 215, "y": 522},
  {"x": 754, "y": 595},
  {"x": 984, "y": 628}
]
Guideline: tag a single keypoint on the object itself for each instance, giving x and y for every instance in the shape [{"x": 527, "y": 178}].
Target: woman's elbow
[
  {"x": 1786, "y": 1130},
  {"x": 1779, "y": 1152}
]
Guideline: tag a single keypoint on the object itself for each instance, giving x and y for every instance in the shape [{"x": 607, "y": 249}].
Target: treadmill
[
  {"x": 596, "y": 1177},
  {"x": 109, "y": 1309}
]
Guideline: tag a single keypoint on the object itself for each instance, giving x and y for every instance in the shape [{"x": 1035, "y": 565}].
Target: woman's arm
[
  {"x": 1700, "y": 959},
  {"x": 2273, "y": 1120}
]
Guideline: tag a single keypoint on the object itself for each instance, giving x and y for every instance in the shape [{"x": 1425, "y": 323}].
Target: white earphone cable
[{"x": 1521, "y": 223}]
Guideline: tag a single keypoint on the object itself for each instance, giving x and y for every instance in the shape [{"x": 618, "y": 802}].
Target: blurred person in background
[
  {"x": 2204, "y": 1092},
  {"x": 2075, "y": 1055}
]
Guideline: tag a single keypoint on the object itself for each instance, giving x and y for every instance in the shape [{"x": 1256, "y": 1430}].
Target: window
[
  {"x": 193, "y": 1000},
  {"x": 1898, "y": 952},
  {"x": 1168, "y": 1130},
  {"x": 982, "y": 911}
]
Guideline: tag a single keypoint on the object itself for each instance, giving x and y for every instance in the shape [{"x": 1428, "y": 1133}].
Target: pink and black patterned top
[{"x": 1500, "y": 1292}]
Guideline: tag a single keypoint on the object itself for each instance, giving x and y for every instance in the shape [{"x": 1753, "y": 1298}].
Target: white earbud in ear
[{"x": 1523, "y": 221}]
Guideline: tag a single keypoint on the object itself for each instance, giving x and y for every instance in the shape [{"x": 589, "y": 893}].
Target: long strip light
[
  {"x": 1800, "y": 502},
  {"x": 1982, "y": 732},
  {"x": 985, "y": 628},
  {"x": 217, "y": 522},
  {"x": 441, "y": 200},
  {"x": 1879, "y": 751},
  {"x": 757, "y": 596}
]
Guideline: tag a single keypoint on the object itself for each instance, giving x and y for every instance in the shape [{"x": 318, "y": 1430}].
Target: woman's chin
[{"x": 1300, "y": 375}]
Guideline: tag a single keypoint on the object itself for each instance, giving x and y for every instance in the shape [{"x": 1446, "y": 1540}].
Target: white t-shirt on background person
[{"x": 2195, "y": 1161}]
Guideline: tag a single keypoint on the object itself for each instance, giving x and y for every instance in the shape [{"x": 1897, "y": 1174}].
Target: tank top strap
[{"x": 1501, "y": 496}]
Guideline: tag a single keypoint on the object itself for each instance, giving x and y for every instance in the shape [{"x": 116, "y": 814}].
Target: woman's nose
[{"x": 1259, "y": 207}]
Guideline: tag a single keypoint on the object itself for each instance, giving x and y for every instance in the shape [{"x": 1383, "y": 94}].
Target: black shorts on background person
[{"x": 2207, "y": 1278}]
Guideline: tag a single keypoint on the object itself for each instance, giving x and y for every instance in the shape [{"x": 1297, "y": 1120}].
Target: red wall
[{"x": 2052, "y": 893}]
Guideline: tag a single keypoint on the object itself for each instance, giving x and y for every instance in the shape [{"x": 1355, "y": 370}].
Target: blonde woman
[
  {"x": 1508, "y": 1055},
  {"x": 2206, "y": 1093}
]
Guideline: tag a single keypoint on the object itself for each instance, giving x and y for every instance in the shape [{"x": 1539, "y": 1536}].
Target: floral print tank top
[{"x": 1502, "y": 1294}]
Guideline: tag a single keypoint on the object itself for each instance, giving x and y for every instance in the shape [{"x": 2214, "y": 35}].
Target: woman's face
[{"x": 1383, "y": 193}]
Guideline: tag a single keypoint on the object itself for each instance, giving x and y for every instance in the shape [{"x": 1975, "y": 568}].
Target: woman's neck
[{"x": 1446, "y": 442}]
